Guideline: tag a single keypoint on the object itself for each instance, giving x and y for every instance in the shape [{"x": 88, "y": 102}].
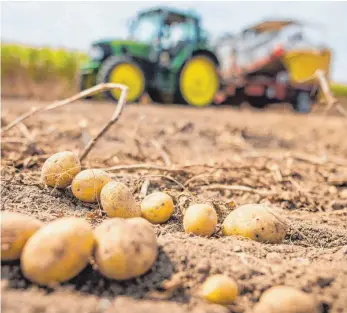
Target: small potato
[
  {"x": 58, "y": 251},
  {"x": 157, "y": 207},
  {"x": 200, "y": 219},
  {"x": 117, "y": 201},
  {"x": 285, "y": 299},
  {"x": 254, "y": 221},
  {"x": 59, "y": 169},
  {"x": 220, "y": 289},
  {"x": 125, "y": 248},
  {"x": 87, "y": 185},
  {"x": 16, "y": 229}
]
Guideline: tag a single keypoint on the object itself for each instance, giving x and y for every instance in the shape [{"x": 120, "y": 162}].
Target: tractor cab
[{"x": 165, "y": 29}]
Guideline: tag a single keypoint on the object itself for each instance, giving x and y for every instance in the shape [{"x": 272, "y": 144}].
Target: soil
[{"x": 297, "y": 164}]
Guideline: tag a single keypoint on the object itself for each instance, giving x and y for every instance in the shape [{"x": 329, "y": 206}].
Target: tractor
[{"x": 167, "y": 55}]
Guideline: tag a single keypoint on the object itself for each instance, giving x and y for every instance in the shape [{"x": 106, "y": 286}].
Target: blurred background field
[
  {"x": 46, "y": 73},
  {"x": 39, "y": 72}
]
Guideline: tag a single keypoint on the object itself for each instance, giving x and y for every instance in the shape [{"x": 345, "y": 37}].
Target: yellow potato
[
  {"x": 220, "y": 289},
  {"x": 157, "y": 207},
  {"x": 200, "y": 219},
  {"x": 59, "y": 169},
  {"x": 58, "y": 251},
  {"x": 87, "y": 185},
  {"x": 255, "y": 221},
  {"x": 285, "y": 299},
  {"x": 117, "y": 201},
  {"x": 125, "y": 248},
  {"x": 16, "y": 229}
]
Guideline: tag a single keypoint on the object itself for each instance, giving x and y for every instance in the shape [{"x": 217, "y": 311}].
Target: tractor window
[
  {"x": 177, "y": 32},
  {"x": 146, "y": 28}
]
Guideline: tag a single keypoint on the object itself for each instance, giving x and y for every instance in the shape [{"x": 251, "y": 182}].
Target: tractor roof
[
  {"x": 271, "y": 25},
  {"x": 173, "y": 11}
]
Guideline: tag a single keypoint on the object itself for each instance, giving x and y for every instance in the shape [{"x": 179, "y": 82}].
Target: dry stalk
[
  {"x": 239, "y": 188},
  {"x": 93, "y": 90},
  {"x": 142, "y": 166},
  {"x": 144, "y": 188},
  {"x": 57, "y": 104},
  {"x": 173, "y": 180},
  {"x": 113, "y": 120},
  {"x": 162, "y": 152}
]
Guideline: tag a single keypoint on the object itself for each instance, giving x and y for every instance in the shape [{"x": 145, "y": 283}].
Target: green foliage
[
  {"x": 39, "y": 64},
  {"x": 339, "y": 90}
]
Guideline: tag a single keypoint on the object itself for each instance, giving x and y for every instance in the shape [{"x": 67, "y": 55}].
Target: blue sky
[{"x": 76, "y": 24}]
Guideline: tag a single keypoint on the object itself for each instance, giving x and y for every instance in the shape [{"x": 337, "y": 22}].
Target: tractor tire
[
  {"x": 122, "y": 70},
  {"x": 85, "y": 83},
  {"x": 197, "y": 82},
  {"x": 303, "y": 102},
  {"x": 259, "y": 102},
  {"x": 236, "y": 100}
]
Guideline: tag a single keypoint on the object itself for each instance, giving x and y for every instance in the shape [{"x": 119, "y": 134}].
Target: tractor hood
[{"x": 122, "y": 47}]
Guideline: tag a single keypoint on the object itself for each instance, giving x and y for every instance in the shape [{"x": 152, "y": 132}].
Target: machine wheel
[
  {"x": 236, "y": 100},
  {"x": 302, "y": 102},
  {"x": 123, "y": 70},
  {"x": 85, "y": 82},
  {"x": 198, "y": 82},
  {"x": 259, "y": 102}
]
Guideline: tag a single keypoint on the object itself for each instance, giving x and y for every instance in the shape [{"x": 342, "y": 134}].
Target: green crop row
[
  {"x": 339, "y": 90},
  {"x": 24, "y": 67}
]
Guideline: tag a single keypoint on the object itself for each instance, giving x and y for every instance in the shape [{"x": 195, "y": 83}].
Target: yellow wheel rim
[
  {"x": 129, "y": 75},
  {"x": 199, "y": 81}
]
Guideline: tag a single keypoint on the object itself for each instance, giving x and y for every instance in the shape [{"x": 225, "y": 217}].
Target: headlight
[{"x": 96, "y": 53}]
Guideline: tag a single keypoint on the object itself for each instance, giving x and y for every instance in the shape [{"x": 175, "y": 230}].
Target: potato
[
  {"x": 87, "y": 185},
  {"x": 255, "y": 221},
  {"x": 200, "y": 219},
  {"x": 285, "y": 299},
  {"x": 157, "y": 207},
  {"x": 16, "y": 229},
  {"x": 58, "y": 251},
  {"x": 220, "y": 289},
  {"x": 125, "y": 248},
  {"x": 117, "y": 201},
  {"x": 59, "y": 169}
]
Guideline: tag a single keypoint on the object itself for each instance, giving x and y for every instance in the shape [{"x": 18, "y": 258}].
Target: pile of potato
[
  {"x": 125, "y": 245},
  {"x": 252, "y": 221},
  {"x": 58, "y": 251}
]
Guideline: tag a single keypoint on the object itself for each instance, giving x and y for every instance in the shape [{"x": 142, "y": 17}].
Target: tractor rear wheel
[
  {"x": 198, "y": 81},
  {"x": 123, "y": 70}
]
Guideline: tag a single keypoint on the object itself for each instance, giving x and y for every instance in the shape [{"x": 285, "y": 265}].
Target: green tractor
[{"x": 166, "y": 55}]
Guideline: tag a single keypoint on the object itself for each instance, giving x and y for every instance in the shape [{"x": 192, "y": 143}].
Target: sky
[{"x": 75, "y": 24}]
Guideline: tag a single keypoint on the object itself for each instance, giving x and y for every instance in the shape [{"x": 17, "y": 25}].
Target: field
[{"x": 295, "y": 163}]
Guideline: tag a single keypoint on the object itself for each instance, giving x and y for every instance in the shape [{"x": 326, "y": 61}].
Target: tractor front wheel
[
  {"x": 122, "y": 70},
  {"x": 198, "y": 81},
  {"x": 86, "y": 81}
]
